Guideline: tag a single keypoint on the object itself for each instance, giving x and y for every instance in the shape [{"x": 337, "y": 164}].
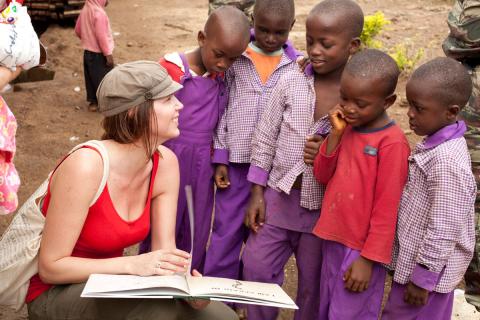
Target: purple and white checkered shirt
[
  {"x": 279, "y": 140},
  {"x": 435, "y": 231},
  {"x": 247, "y": 99}
]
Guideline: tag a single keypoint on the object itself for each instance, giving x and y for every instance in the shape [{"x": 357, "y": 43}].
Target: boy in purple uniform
[
  {"x": 200, "y": 71},
  {"x": 285, "y": 197},
  {"x": 251, "y": 80},
  {"x": 435, "y": 231}
]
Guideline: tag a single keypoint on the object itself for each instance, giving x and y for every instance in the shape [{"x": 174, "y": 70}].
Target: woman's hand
[
  {"x": 159, "y": 262},
  {"x": 197, "y": 304}
]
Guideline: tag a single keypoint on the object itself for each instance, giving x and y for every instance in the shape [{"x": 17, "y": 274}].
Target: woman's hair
[{"x": 133, "y": 125}]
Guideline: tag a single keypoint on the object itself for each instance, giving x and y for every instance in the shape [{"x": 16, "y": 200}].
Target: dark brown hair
[{"x": 133, "y": 125}]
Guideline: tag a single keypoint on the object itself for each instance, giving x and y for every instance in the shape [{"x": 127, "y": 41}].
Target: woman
[{"x": 142, "y": 187}]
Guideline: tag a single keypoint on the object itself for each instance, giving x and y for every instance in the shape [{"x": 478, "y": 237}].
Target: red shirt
[
  {"x": 173, "y": 70},
  {"x": 365, "y": 176},
  {"x": 105, "y": 234}
]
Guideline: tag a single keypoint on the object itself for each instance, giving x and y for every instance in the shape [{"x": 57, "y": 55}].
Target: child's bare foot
[{"x": 92, "y": 107}]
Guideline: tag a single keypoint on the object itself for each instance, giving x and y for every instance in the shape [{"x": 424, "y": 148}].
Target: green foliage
[
  {"x": 401, "y": 53},
  {"x": 372, "y": 27},
  {"x": 404, "y": 57}
]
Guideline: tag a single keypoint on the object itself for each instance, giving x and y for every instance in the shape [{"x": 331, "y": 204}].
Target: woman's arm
[
  {"x": 164, "y": 201},
  {"x": 73, "y": 187}
]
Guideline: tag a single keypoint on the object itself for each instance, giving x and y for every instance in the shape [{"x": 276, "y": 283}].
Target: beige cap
[{"x": 131, "y": 84}]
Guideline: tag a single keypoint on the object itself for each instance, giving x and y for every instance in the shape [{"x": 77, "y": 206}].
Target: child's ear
[
  {"x": 293, "y": 23},
  {"x": 354, "y": 45},
  {"x": 390, "y": 100},
  {"x": 452, "y": 112},
  {"x": 201, "y": 38}
]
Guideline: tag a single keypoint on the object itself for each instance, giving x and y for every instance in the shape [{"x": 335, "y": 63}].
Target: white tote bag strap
[{"x": 97, "y": 145}]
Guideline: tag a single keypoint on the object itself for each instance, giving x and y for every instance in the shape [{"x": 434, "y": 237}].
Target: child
[
  {"x": 251, "y": 80},
  {"x": 223, "y": 40},
  {"x": 435, "y": 231},
  {"x": 363, "y": 162},
  {"x": 283, "y": 185},
  {"x": 93, "y": 29}
]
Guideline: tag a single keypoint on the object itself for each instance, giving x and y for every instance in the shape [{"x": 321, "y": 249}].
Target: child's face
[
  {"x": 219, "y": 51},
  {"x": 364, "y": 102},
  {"x": 426, "y": 114},
  {"x": 328, "y": 46},
  {"x": 271, "y": 30}
]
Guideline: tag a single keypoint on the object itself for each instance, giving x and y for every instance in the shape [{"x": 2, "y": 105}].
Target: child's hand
[
  {"x": 256, "y": 209},
  {"x": 303, "y": 62},
  {"x": 197, "y": 304},
  {"x": 110, "y": 62},
  {"x": 357, "y": 277},
  {"x": 415, "y": 295},
  {"x": 337, "y": 119},
  {"x": 311, "y": 148},
  {"x": 221, "y": 176}
]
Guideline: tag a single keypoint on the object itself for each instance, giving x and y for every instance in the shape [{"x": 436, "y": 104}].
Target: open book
[
  {"x": 183, "y": 286},
  {"x": 178, "y": 286}
]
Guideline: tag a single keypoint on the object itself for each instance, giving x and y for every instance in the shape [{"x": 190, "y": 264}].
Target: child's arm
[
  {"x": 325, "y": 162},
  {"x": 78, "y": 27},
  {"x": 102, "y": 33},
  {"x": 220, "y": 150},
  {"x": 264, "y": 144},
  {"x": 450, "y": 191},
  {"x": 391, "y": 177}
]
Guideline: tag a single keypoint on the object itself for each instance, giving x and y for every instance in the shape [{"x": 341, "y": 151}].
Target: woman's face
[{"x": 167, "y": 111}]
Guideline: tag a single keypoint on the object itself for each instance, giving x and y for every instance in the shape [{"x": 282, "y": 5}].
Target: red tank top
[{"x": 105, "y": 234}]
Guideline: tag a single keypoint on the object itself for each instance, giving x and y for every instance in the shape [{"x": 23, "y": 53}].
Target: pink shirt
[
  {"x": 9, "y": 179},
  {"x": 93, "y": 28}
]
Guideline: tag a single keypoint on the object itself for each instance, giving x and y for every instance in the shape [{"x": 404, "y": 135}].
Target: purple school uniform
[
  {"x": 336, "y": 302},
  {"x": 435, "y": 231},
  {"x": 232, "y": 147},
  {"x": 277, "y": 161},
  {"x": 204, "y": 100}
]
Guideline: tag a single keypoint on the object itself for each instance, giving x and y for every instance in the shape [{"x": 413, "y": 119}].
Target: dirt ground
[{"x": 52, "y": 116}]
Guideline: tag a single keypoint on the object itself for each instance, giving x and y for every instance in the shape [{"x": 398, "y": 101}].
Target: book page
[
  {"x": 121, "y": 285},
  {"x": 238, "y": 290}
]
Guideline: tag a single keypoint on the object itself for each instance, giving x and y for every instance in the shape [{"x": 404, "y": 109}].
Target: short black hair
[
  {"x": 230, "y": 21},
  {"x": 448, "y": 77},
  {"x": 374, "y": 64},
  {"x": 285, "y": 8},
  {"x": 349, "y": 13}
]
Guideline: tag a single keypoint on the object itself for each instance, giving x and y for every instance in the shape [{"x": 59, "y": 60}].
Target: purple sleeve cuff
[
  {"x": 220, "y": 156},
  {"x": 424, "y": 278},
  {"x": 257, "y": 175}
]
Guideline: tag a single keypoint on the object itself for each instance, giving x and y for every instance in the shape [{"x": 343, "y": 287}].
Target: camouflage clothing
[
  {"x": 245, "y": 5},
  {"x": 463, "y": 44}
]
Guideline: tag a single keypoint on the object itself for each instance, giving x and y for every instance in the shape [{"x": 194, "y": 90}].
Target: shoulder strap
[{"x": 98, "y": 145}]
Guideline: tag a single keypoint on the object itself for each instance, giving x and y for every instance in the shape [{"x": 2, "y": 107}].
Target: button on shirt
[
  {"x": 248, "y": 96},
  {"x": 280, "y": 136},
  {"x": 435, "y": 232}
]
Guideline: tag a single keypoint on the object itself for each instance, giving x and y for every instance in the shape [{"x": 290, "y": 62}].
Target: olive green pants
[{"x": 64, "y": 302}]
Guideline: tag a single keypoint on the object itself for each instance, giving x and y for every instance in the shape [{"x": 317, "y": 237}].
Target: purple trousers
[
  {"x": 229, "y": 232},
  {"x": 336, "y": 302},
  {"x": 439, "y": 306},
  {"x": 264, "y": 259}
]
